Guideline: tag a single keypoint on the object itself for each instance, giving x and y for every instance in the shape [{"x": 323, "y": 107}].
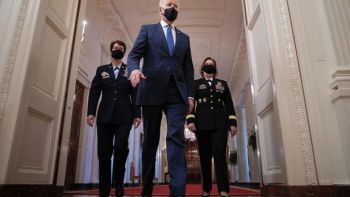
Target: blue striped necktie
[{"x": 170, "y": 40}]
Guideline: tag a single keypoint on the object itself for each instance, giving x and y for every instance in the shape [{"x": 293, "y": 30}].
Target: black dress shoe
[
  {"x": 147, "y": 192},
  {"x": 144, "y": 194},
  {"x": 119, "y": 191}
]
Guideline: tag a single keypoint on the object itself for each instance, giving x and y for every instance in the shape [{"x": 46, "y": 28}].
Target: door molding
[{"x": 295, "y": 82}]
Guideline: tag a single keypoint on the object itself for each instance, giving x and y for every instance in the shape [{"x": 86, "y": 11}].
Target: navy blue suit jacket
[
  {"x": 118, "y": 96},
  {"x": 159, "y": 64}
]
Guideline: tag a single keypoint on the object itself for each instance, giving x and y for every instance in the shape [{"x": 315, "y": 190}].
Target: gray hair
[{"x": 161, "y": 3}]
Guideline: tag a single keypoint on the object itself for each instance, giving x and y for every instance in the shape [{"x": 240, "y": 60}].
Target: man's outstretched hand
[{"x": 135, "y": 77}]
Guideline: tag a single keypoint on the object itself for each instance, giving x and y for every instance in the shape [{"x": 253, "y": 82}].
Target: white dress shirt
[
  {"x": 165, "y": 28},
  {"x": 116, "y": 71},
  {"x": 210, "y": 80}
]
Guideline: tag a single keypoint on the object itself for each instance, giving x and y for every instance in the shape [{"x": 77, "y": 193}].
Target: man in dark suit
[
  {"x": 166, "y": 84},
  {"x": 116, "y": 114}
]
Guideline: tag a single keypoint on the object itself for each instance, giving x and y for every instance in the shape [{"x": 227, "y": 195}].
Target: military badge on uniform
[
  {"x": 199, "y": 100},
  {"x": 105, "y": 75},
  {"x": 204, "y": 100},
  {"x": 202, "y": 87},
  {"x": 126, "y": 74},
  {"x": 219, "y": 87}
]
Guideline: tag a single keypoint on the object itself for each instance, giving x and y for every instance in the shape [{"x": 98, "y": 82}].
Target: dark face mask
[
  {"x": 170, "y": 13},
  {"x": 209, "y": 68},
  {"x": 117, "y": 54}
]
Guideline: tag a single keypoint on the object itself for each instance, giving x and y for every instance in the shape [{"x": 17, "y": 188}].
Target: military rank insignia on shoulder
[{"x": 105, "y": 75}]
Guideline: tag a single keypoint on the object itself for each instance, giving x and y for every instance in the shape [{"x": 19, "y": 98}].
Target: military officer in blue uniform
[
  {"x": 116, "y": 114},
  {"x": 212, "y": 118}
]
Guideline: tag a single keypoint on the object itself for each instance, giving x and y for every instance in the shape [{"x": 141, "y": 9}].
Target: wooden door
[
  {"x": 34, "y": 149},
  {"x": 269, "y": 132},
  {"x": 74, "y": 134}
]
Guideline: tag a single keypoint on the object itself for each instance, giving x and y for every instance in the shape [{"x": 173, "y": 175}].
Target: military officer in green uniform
[{"x": 211, "y": 119}]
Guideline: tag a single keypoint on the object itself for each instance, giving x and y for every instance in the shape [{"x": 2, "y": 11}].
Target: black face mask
[
  {"x": 170, "y": 13},
  {"x": 209, "y": 68},
  {"x": 117, "y": 54}
]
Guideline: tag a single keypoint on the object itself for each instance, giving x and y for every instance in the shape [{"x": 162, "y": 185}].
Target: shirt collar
[
  {"x": 120, "y": 65},
  {"x": 164, "y": 24}
]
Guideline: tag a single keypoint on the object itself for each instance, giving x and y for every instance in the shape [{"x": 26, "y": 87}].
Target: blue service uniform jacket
[{"x": 118, "y": 96}]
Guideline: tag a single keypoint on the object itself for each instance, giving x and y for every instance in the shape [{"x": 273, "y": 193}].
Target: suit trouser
[
  {"x": 175, "y": 111},
  {"x": 112, "y": 139},
  {"x": 213, "y": 143}
]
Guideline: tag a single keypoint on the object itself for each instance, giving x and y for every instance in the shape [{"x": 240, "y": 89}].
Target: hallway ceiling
[{"x": 214, "y": 27}]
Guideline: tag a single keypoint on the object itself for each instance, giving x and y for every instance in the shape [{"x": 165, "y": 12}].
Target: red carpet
[{"x": 163, "y": 190}]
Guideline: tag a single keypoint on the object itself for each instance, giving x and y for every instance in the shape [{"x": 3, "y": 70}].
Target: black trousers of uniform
[
  {"x": 112, "y": 139},
  {"x": 212, "y": 143}
]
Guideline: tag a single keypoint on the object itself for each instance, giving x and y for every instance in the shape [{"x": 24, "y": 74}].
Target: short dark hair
[
  {"x": 121, "y": 43},
  {"x": 203, "y": 63}
]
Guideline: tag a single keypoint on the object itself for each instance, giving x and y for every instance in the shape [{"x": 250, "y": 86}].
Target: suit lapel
[
  {"x": 121, "y": 72},
  {"x": 110, "y": 71},
  {"x": 179, "y": 39},
  {"x": 214, "y": 82}
]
